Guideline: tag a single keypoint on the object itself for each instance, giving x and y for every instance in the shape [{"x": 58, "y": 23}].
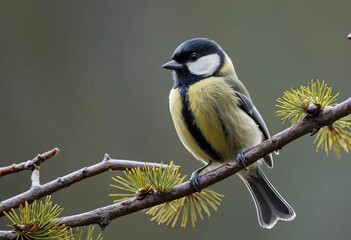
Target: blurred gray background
[{"x": 86, "y": 77}]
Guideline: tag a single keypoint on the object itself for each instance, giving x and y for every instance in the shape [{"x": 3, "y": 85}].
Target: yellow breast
[{"x": 216, "y": 114}]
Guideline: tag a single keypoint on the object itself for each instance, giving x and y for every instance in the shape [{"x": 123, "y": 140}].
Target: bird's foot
[
  {"x": 195, "y": 178},
  {"x": 194, "y": 181},
  {"x": 240, "y": 158}
]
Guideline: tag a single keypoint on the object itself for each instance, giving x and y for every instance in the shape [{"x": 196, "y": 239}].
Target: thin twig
[
  {"x": 30, "y": 164},
  {"x": 39, "y": 191}
]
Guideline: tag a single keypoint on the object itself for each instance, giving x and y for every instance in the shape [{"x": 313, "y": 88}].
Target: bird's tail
[{"x": 270, "y": 206}]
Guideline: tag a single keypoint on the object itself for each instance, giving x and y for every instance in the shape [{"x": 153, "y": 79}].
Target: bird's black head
[{"x": 194, "y": 60}]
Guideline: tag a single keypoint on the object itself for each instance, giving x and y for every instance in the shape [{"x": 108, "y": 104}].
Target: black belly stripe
[{"x": 193, "y": 129}]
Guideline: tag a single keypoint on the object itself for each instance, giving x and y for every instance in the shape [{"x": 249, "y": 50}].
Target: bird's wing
[{"x": 247, "y": 106}]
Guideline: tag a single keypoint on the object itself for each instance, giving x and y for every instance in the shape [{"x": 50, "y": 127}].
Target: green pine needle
[
  {"x": 89, "y": 234},
  {"x": 135, "y": 182},
  {"x": 335, "y": 137},
  {"x": 141, "y": 181},
  {"x": 38, "y": 221},
  {"x": 192, "y": 206},
  {"x": 320, "y": 94},
  {"x": 294, "y": 104},
  {"x": 163, "y": 179}
]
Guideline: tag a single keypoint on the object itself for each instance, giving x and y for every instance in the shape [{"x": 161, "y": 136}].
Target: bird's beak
[{"x": 172, "y": 65}]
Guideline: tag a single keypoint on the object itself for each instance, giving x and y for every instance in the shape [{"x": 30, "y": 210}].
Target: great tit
[{"x": 216, "y": 121}]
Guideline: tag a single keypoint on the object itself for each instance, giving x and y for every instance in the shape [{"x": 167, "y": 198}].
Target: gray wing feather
[{"x": 248, "y": 107}]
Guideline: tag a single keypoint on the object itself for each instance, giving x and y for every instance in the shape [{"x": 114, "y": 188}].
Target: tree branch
[
  {"x": 7, "y": 235},
  {"x": 37, "y": 191},
  {"x": 30, "y": 164},
  {"x": 104, "y": 215}
]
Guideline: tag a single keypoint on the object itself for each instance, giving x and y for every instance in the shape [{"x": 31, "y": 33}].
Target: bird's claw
[
  {"x": 240, "y": 158},
  {"x": 194, "y": 182}
]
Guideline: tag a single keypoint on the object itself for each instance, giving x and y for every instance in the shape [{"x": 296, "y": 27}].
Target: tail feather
[{"x": 270, "y": 205}]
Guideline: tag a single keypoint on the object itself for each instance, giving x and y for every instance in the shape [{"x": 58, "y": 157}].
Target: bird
[{"x": 216, "y": 121}]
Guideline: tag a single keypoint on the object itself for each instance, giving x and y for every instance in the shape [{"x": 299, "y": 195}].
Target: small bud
[
  {"x": 313, "y": 109},
  {"x": 142, "y": 192}
]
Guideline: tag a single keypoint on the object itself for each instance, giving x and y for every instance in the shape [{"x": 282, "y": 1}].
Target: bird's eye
[{"x": 193, "y": 57}]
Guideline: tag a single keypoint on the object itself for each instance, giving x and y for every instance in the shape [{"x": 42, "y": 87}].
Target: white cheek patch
[{"x": 206, "y": 65}]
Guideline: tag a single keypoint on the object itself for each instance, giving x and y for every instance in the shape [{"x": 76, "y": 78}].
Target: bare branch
[
  {"x": 8, "y": 235},
  {"x": 38, "y": 191},
  {"x": 30, "y": 164}
]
